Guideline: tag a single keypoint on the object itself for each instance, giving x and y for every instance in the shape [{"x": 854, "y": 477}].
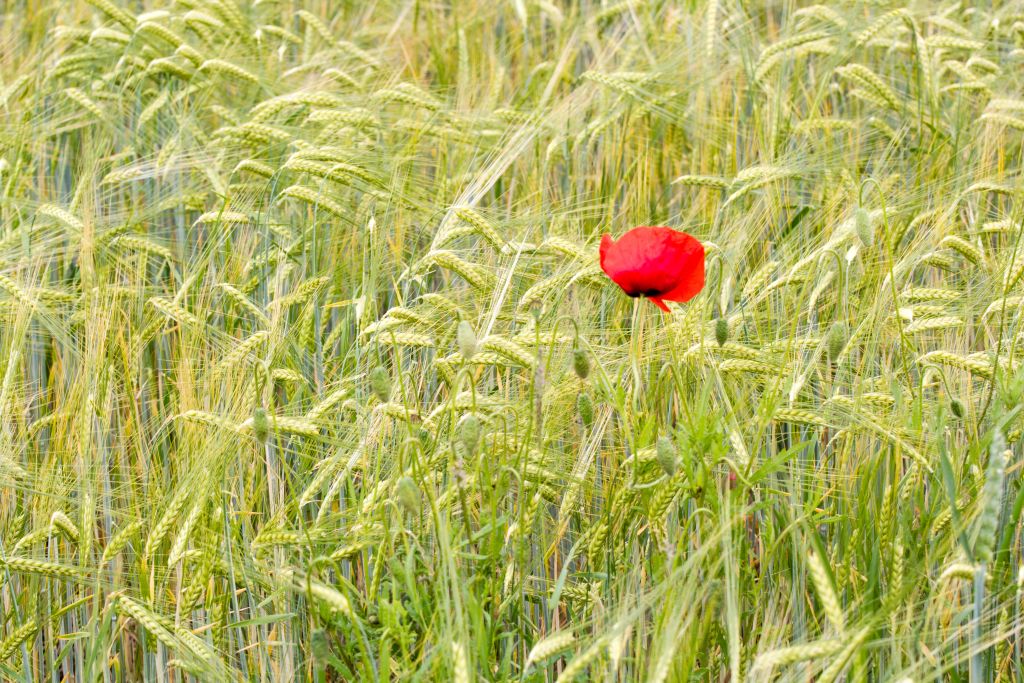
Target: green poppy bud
[
  {"x": 957, "y": 408},
  {"x": 585, "y": 407},
  {"x": 721, "y": 331},
  {"x": 380, "y": 383},
  {"x": 666, "y": 453},
  {"x": 836, "y": 340},
  {"x": 408, "y": 494},
  {"x": 466, "y": 339},
  {"x": 260, "y": 425},
  {"x": 580, "y": 363},
  {"x": 862, "y": 224},
  {"x": 469, "y": 434}
]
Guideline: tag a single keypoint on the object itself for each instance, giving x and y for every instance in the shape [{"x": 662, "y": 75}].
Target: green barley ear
[
  {"x": 666, "y": 453},
  {"x": 862, "y": 224},
  {"x": 822, "y": 580},
  {"x": 466, "y": 339},
  {"x": 469, "y": 434},
  {"x": 585, "y": 407},
  {"x": 552, "y": 644},
  {"x": 837, "y": 335},
  {"x": 380, "y": 383},
  {"x": 408, "y": 494},
  {"x": 580, "y": 362},
  {"x": 992, "y": 498},
  {"x": 721, "y": 331},
  {"x": 260, "y": 425}
]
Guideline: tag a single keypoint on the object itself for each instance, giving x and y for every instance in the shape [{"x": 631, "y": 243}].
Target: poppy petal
[
  {"x": 656, "y": 300},
  {"x": 691, "y": 281}
]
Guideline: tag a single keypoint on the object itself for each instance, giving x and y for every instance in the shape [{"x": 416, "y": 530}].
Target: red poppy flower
[{"x": 660, "y": 263}]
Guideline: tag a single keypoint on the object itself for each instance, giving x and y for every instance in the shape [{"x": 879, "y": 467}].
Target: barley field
[{"x": 309, "y": 370}]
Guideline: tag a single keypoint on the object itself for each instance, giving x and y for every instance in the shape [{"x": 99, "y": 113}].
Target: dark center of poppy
[{"x": 646, "y": 292}]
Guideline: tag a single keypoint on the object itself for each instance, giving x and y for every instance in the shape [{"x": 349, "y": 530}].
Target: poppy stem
[
  {"x": 638, "y": 335},
  {"x": 637, "y": 327}
]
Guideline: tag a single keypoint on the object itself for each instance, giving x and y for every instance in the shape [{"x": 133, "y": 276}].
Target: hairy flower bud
[
  {"x": 408, "y": 494},
  {"x": 260, "y": 425},
  {"x": 380, "y": 383},
  {"x": 957, "y": 408},
  {"x": 585, "y": 407},
  {"x": 469, "y": 434},
  {"x": 580, "y": 363},
  {"x": 836, "y": 341},
  {"x": 666, "y": 453},
  {"x": 721, "y": 331},
  {"x": 862, "y": 224},
  {"x": 466, "y": 339}
]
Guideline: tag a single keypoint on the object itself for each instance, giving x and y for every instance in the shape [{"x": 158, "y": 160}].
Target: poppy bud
[
  {"x": 836, "y": 340},
  {"x": 957, "y": 408},
  {"x": 469, "y": 434},
  {"x": 408, "y": 494},
  {"x": 721, "y": 331},
  {"x": 666, "y": 453},
  {"x": 862, "y": 224},
  {"x": 585, "y": 407},
  {"x": 466, "y": 338},
  {"x": 380, "y": 383},
  {"x": 260, "y": 425},
  {"x": 580, "y": 363}
]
